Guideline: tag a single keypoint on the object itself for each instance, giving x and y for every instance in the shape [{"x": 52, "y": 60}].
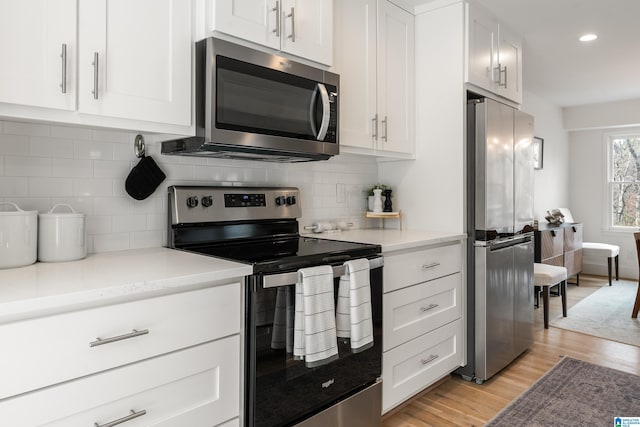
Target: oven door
[{"x": 282, "y": 391}]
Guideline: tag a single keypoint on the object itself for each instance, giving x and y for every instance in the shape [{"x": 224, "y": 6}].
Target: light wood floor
[{"x": 455, "y": 402}]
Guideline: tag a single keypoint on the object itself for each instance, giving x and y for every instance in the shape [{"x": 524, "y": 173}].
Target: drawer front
[
  {"x": 49, "y": 350},
  {"x": 415, "y": 310},
  {"x": 557, "y": 261},
  {"x": 573, "y": 262},
  {"x": 409, "y": 268},
  {"x": 413, "y": 366},
  {"x": 551, "y": 243},
  {"x": 573, "y": 237},
  {"x": 199, "y": 386}
]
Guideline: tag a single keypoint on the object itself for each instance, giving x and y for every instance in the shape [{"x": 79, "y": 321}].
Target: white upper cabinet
[
  {"x": 298, "y": 27},
  {"x": 494, "y": 55},
  {"x": 134, "y": 59},
  {"x": 510, "y": 65},
  {"x": 115, "y": 63},
  {"x": 38, "y": 42},
  {"x": 374, "y": 55}
]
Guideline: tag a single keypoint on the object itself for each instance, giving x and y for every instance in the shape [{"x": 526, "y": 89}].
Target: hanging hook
[{"x": 138, "y": 146}]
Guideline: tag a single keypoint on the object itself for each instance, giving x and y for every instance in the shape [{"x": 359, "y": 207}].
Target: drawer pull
[
  {"x": 428, "y": 266},
  {"x": 429, "y": 359},
  {"x": 133, "y": 414},
  {"x": 133, "y": 333},
  {"x": 430, "y": 307}
]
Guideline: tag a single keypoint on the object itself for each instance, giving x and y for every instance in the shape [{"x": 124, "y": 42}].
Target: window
[{"x": 624, "y": 180}]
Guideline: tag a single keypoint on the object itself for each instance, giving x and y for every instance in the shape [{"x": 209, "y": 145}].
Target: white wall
[
  {"x": 588, "y": 199},
  {"x": 551, "y": 189},
  {"x": 41, "y": 165},
  {"x": 430, "y": 189}
]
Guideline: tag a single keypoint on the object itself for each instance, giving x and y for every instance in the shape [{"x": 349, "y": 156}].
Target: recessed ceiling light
[{"x": 588, "y": 37}]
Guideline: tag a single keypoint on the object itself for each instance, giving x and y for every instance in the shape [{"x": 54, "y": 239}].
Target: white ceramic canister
[
  {"x": 18, "y": 236},
  {"x": 62, "y": 235}
]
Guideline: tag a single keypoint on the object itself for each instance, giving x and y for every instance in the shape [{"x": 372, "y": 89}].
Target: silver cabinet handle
[
  {"x": 384, "y": 129},
  {"x": 505, "y": 77},
  {"x": 63, "y": 55},
  {"x": 374, "y": 127},
  {"x": 132, "y": 415},
  {"x": 429, "y": 359},
  {"x": 277, "y": 11},
  {"x": 132, "y": 334},
  {"x": 95, "y": 75},
  {"x": 428, "y": 266},
  {"x": 430, "y": 307},
  {"x": 292, "y": 15}
]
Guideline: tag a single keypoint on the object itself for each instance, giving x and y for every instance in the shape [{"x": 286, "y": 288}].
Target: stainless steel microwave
[{"x": 254, "y": 105}]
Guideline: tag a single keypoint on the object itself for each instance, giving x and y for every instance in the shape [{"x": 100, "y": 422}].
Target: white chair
[
  {"x": 612, "y": 252},
  {"x": 544, "y": 277}
]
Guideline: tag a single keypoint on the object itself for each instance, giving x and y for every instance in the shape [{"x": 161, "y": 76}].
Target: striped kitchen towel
[
  {"x": 353, "y": 317},
  {"x": 315, "y": 339}
]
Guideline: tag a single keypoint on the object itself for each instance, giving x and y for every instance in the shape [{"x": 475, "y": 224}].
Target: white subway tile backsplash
[
  {"x": 111, "y": 169},
  {"x": 145, "y": 239},
  {"x": 110, "y": 242},
  {"x": 51, "y": 187},
  {"x": 72, "y": 168},
  {"x": 99, "y": 224},
  {"x": 26, "y": 128},
  {"x": 70, "y": 132},
  {"x": 94, "y": 150},
  {"x": 93, "y": 187},
  {"x": 43, "y": 165},
  {"x": 14, "y": 145},
  {"x": 111, "y": 206},
  {"x": 113, "y": 136},
  {"x": 27, "y": 166},
  {"x": 40, "y": 146},
  {"x": 124, "y": 223}
]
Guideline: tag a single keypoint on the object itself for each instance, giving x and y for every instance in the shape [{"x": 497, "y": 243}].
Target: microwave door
[{"x": 325, "y": 109}]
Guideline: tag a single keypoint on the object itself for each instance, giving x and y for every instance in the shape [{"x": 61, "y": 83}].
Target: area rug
[
  {"x": 606, "y": 313},
  {"x": 574, "y": 393}
]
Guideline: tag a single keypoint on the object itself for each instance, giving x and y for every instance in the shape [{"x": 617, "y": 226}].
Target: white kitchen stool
[
  {"x": 544, "y": 277},
  {"x": 610, "y": 251}
]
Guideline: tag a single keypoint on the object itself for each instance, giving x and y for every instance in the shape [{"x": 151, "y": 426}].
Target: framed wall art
[{"x": 538, "y": 150}]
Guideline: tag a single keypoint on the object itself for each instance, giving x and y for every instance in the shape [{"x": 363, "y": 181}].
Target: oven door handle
[{"x": 284, "y": 279}]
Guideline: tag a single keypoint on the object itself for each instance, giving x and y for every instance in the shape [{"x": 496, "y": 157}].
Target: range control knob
[
  {"x": 281, "y": 200},
  {"x": 207, "y": 201},
  {"x": 291, "y": 200},
  {"x": 192, "y": 201}
]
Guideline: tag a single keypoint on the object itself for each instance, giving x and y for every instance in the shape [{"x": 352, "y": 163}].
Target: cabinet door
[
  {"x": 509, "y": 66},
  {"x": 355, "y": 61},
  {"x": 143, "y": 51},
  {"x": 254, "y": 20},
  {"x": 395, "y": 79},
  {"x": 307, "y": 29},
  {"x": 32, "y": 36},
  {"x": 481, "y": 45}
]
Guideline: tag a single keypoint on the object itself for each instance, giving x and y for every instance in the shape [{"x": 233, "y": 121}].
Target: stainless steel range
[{"x": 259, "y": 226}]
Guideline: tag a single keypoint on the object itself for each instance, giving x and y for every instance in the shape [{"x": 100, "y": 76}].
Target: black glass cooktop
[{"x": 288, "y": 254}]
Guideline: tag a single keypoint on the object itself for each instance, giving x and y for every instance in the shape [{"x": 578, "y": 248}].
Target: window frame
[{"x": 610, "y": 182}]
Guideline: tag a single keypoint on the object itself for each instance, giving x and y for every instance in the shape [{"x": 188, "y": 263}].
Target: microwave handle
[{"x": 326, "y": 112}]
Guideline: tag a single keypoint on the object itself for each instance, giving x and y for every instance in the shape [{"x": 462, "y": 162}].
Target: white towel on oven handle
[
  {"x": 315, "y": 339},
  {"x": 353, "y": 318}
]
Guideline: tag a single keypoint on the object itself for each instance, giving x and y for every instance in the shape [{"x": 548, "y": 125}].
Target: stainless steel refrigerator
[{"x": 499, "y": 223}]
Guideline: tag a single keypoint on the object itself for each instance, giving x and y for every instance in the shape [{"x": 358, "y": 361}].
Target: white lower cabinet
[
  {"x": 165, "y": 361},
  {"x": 415, "y": 365},
  {"x": 423, "y": 321},
  {"x": 193, "y": 387}
]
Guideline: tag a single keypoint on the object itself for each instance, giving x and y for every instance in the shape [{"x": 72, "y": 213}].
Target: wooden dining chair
[{"x": 636, "y": 306}]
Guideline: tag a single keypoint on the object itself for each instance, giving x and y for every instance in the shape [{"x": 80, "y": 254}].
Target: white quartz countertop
[
  {"x": 393, "y": 240},
  {"x": 107, "y": 277}
]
